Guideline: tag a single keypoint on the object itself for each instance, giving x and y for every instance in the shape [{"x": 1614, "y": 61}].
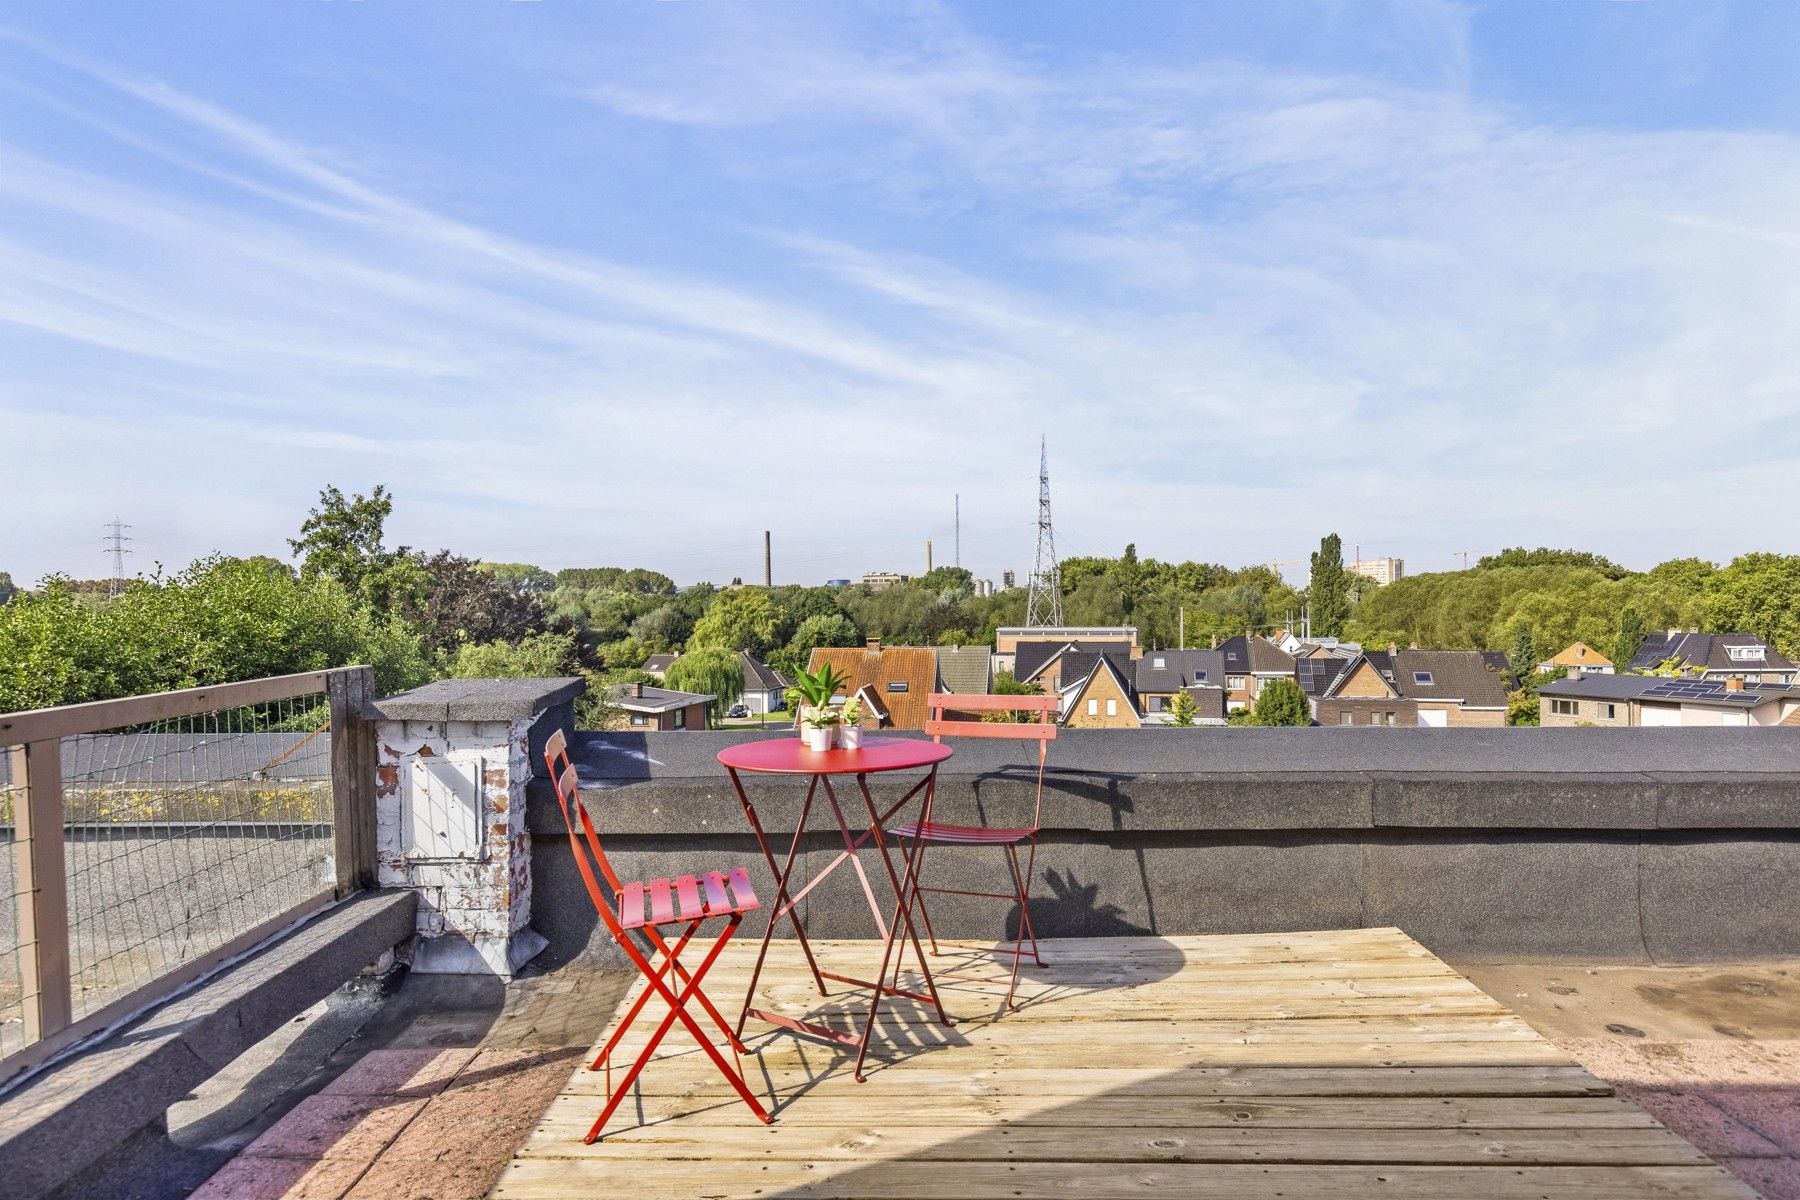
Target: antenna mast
[
  {"x": 1043, "y": 606},
  {"x": 115, "y": 546}
]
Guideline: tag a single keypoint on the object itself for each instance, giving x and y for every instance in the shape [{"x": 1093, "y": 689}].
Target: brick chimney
[
  {"x": 873, "y": 645},
  {"x": 1393, "y": 648},
  {"x": 1573, "y": 673},
  {"x": 1735, "y": 684},
  {"x": 637, "y": 690}
]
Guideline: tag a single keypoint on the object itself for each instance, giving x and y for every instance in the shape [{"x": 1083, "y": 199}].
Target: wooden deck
[{"x": 1309, "y": 1064}]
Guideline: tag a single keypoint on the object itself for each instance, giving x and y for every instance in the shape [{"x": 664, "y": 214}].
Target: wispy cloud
[{"x": 1246, "y": 301}]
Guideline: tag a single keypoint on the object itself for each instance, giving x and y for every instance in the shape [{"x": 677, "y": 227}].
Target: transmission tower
[
  {"x": 115, "y": 546},
  {"x": 1043, "y": 606}
]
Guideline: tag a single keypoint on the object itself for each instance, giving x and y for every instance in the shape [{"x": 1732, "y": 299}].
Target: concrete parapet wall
[{"x": 1639, "y": 845}]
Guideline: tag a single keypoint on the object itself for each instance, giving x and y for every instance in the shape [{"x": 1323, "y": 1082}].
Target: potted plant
[
  {"x": 811, "y": 697},
  {"x": 850, "y": 732},
  {"x": 818, "y": 728}
]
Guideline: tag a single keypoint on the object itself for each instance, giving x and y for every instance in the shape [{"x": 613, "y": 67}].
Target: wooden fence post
[
  {"x": 42, "y": 886},
  {"x": 351, "y": 691}
]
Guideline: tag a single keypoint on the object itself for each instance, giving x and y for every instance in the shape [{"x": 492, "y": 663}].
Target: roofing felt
[
  {"x": 653, "y": 699},
  {"x": 964, "y": 669},
  {"x": 1168, "y": 670},
  {"x": 1469, "y": 677}
]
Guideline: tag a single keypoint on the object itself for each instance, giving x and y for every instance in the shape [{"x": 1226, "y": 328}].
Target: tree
[
  {"x": 834, "y": 630},
  {"x": 7, "y": 590},
  {"x": 1760, "y": 594},
  {"x": 1522, "y": 658},
  {"x": 662, "y": 629},
  {"x": 711, "y": 671},
  {"x": 218, "y": 621},
  {"x": 1328, "y": 589},
  {"x": 1631, "y": 638},
  {"x": 1183, "y": 709},
  {"x": 1544, "y": 556},
  {"x": 522, "y": 578},
  {"x": 740, "y": 619},
  {"x": 1281, "y": 702},
  {"x": 341, "y": 539},
  {"x": 1006, "y": 684},
  {"x": 1523, "y": 708},
  {"x": 456, "y": 604},
  {"x": 542, "y": 655}
]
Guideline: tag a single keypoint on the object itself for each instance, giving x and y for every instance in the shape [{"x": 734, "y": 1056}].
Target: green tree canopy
[
  {"x": 540, "y": 656},
  {"x": 833, "y": 630},
  {"x": 219, "y": 621},
  {"x": 1522, "y": 658},
  {"x": 1328, "y": 588},
  {"x": 710, "y": 671},
  {"x": 1183, "y": 709},
  {"x": 456, "y": 604},
  {"x": 522, "y": 578},
  {"x": 1544, "y": 556},
  {"x": 7, "y": 589},
  {"x": 1760, "y": 594},
  {"x": 1281, "y": 702},
  {"x": 739, "y": 619},
  {"x": 341, "y": 539}
]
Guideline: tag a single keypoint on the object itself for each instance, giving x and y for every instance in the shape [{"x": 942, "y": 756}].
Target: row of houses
[{"x": 1106, "y": 680}]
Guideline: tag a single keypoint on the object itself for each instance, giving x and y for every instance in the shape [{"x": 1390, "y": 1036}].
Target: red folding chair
[
  {"x": 676, "y": 902},
  {"x": 927, "y": 831}
]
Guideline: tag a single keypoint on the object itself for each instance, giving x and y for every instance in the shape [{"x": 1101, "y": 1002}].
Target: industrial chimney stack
[{"x": 768, "y": 563}]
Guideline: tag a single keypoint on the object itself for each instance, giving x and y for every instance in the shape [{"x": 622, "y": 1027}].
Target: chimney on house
[
  {"x": 637, "y": 691},
  {"x": 1393, "y": 648},
  {"x": 873, "y": 645},
  {"x": 1573, "y": 673},
  {"x": 1735, "y": 683}
]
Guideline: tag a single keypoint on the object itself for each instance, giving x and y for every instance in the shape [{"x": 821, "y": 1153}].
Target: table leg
[
  {"x": 912, "y": 857},
  {"x": 780, "y": 907},
  {"x": 903, "y": 897},
  {"x": 850, "y": 848}
]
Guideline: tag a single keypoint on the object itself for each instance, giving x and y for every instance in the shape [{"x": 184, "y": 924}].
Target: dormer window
[
  {"x": 1744, "y": 653},
  {"x": 1422, "y": 677},
  {"x": 1161, "y": 663},
  {"x": 1199, "y": 676}
]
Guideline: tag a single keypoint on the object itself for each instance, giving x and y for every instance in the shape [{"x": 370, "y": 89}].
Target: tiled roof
[
  {"x": 1166, "y": 671},
  {"x": 915, "y": 667},
  {"x": 964, "y": 669},
  {"x": 1469, "y": 677},
  {"x": 1253, "y": 655},
  {"x": 1710, "y": 651},
  {"x": 1316, "y": 675},
  {"x": 658, "y": 664},
  {"x": 1031, "y": 657},
  {"x": 759, "y": 676}
]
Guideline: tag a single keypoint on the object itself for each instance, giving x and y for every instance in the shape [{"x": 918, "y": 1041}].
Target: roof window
[{"x": 1422, "y": 677}]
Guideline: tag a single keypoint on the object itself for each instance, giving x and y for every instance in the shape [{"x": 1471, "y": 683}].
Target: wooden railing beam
[{"x": 41, "y": 882}]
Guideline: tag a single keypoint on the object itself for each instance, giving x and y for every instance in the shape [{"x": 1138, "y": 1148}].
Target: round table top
[{"x": 789, "y": 756}]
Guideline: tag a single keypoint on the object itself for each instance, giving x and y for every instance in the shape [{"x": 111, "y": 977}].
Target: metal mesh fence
[{"x": 12, "y": 982}]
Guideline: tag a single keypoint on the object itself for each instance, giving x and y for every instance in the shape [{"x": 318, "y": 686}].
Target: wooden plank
[
  {"x": 41, "y": 885},
  {"x": 1123, "y": 1108},
  {"x": 692, "y": 1077},
  {"x": 914, "y": 1143},
  {"x": 562, "y": 1179},
  {"x": 1345, "y": 1063},
  {"x": 41, "y": 724}
]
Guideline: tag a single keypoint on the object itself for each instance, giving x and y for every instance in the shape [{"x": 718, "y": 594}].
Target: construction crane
[
  {"x": 1464, "y": 554},
  {"x": 1275, "y": 564}
]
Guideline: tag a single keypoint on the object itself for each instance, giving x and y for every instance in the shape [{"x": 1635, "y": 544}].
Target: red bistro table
[{"x": 789, "y": 756}]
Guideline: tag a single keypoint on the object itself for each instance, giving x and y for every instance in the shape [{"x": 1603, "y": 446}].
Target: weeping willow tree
[{"x": 708, "y": 672}]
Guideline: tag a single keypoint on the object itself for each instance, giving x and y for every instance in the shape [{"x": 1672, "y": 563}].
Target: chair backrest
[
  {"x": 1042, "y": 731},
  {"x": 568, "y": 795}
]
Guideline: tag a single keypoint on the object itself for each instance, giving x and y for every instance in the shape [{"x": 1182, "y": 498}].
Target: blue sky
[{"x": 630, "y": 283}]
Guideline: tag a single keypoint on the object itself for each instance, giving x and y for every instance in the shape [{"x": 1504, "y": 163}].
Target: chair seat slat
[
  {"x": 746, "y": 895},
  {"x": 631, "y": 906},
  {"x": 687, "y": 891},
  {"x": 662, "y": 911},
  {"x": 718, "y": 901}
]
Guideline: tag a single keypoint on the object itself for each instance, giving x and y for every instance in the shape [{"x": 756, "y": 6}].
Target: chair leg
[
  {"x": 678, "y": 1012},
  {"x": 662, "y": 970},
  {"x": 1023, "y": 879},
  {"x": 919, "y": 896}
]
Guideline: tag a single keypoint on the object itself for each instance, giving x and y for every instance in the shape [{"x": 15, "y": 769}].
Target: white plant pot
[
  {"x": 849, "y": 736},
  {"x": 818, "y": 737}
]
